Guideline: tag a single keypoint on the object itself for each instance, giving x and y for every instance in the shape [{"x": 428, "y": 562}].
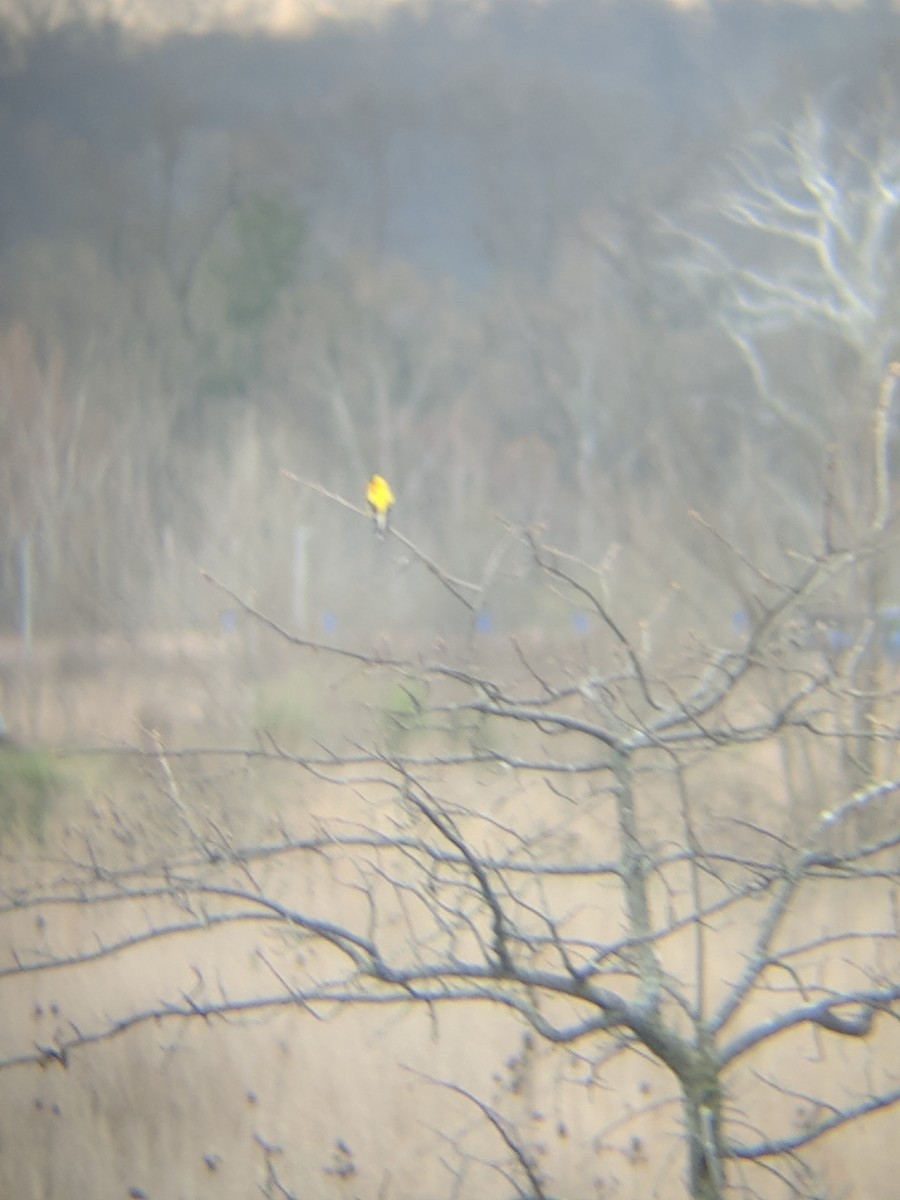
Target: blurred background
[
  {"x": 577, "y": 264},
  {"x": 622, "y": 272}
]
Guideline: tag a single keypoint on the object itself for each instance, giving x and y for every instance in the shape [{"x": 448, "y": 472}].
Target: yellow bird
[{"x": 381, "y": 500}]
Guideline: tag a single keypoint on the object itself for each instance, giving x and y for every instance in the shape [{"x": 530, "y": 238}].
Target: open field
[{"x": 323, "y": 1101}]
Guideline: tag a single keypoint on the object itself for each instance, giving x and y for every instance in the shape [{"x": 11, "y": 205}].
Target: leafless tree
[
  {"x": 614, "y": 846},
  {"x": 797, "y": 262},
  {"x": 801, "y": 240}
]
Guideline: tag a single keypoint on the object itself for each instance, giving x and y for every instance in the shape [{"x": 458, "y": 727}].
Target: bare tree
[
  {"x": 802, "y": 240},
  {"x": 798, "y": 264},
  {"x": 612, "y": 845},
  {"x": 67, "y": 467}
]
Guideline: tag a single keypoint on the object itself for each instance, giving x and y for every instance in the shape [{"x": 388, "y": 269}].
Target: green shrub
[
  {"x": 30, "y": 781},
  {"x": 404, "y": 711}
]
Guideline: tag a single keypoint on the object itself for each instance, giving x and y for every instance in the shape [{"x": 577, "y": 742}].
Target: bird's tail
[{"x": 381, "y": 523}]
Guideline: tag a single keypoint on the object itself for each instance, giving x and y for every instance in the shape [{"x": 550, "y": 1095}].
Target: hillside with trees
[
  {"x": 545, "y": 845},
  {"x": 449, "y": 246}
]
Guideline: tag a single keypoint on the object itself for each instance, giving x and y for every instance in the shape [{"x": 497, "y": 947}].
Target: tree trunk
[{"x": 703, "y": 1118}]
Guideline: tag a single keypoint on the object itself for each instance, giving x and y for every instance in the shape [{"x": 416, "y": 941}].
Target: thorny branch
[{"x": 503, "y": 900}]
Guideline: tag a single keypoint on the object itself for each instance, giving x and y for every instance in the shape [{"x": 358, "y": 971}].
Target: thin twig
[{"x": 452, "y": 583}]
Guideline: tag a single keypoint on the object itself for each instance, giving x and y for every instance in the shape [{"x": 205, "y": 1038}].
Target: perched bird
[{"x": 381, "y": 499}]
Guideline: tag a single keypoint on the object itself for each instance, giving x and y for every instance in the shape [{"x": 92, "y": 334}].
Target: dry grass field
[{"x": 328, "y": 1102}]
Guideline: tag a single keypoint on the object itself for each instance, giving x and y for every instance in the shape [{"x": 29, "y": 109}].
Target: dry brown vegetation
[
  {"x": 276, "y": 968},
  {"x": 186, "y": 1107},
  {"x": 559, "y": 858}
]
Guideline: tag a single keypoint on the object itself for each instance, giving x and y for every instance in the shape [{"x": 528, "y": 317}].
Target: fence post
[{"x": 25, "y": 595}]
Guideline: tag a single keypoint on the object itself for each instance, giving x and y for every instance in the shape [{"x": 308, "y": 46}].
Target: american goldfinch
[{"x": 381, "y": 499}]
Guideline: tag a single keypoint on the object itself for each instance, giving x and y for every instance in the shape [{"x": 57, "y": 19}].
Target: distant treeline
[{"x": 445, "y": 244}]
